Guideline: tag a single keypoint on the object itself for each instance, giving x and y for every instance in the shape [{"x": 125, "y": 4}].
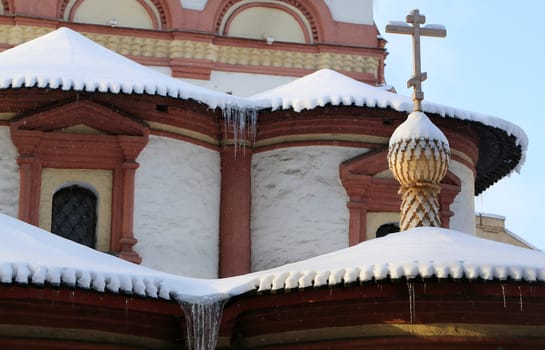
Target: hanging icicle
[
  {"x": 203, "y": 323},
  {"x": 243, "y": 124}
]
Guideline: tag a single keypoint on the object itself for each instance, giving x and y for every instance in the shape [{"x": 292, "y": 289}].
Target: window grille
[{"x": 74, "y": 215}]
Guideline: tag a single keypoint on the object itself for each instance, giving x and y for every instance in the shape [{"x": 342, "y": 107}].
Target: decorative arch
[
  {"x": 161, "y": 19},
  {"x": 369, "y": 190},
  {"x": 303, "y": 7}
]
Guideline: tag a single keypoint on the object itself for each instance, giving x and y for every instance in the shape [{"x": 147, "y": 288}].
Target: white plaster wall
[
  {"x": 177, "y": 208},
  {"x": 464, "y": 203},
  {"x": 298, "y": 204},
  {"x": 9, "y": 174},
  {"x": 351, "y": 11},
  {"x": 194, "y": 4},
  {"x": 241, "y": 84}
]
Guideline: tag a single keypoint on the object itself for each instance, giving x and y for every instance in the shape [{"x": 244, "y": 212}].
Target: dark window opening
[
  {"x": 74, "y": 215},
  {"x": 386, "y": 229}
]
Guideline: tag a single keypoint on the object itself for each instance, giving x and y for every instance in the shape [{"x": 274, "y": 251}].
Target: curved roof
[
  {"x": 71, "y": 62},
  {"x": 67, "y": 60},
  {"x": 29, "y": 255},
  {"x": 502, "y": 146},
  {"x": 424, "y": 252}
]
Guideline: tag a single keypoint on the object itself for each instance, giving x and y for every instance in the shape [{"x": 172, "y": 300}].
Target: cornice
[{"x": 222, "y": 53}]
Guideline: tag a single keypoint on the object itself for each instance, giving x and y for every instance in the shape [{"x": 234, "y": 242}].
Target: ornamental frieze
[{"x": 207, "y": 51}]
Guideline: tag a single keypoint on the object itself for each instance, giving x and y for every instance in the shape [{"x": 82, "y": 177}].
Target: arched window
[
  {"x": 74, "y": 215},
  {"x": 386, "y": 229},
  {"x": 146, "y": 14},
  {"x": 270, "y": 20}
]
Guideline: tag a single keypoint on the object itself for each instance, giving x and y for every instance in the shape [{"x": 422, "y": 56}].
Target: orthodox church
[{"x": 219, "y": 138}]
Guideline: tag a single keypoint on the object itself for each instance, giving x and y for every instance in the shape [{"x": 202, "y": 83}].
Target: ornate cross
[{"x": 438, "y": 31}]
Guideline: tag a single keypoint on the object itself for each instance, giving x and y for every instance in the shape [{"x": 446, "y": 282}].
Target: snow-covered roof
[
  {"x": 422, "y": 252},
  {"x": 29, "y": 255},
  {"x": 326, "y": 86},
  {"x": 67, "y": 60}
]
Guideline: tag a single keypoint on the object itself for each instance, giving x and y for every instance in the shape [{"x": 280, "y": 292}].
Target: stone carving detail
[{"x": 208, "y": 52}]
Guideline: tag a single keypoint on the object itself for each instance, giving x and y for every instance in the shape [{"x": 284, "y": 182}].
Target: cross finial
[{"x": 416, "y": 19}]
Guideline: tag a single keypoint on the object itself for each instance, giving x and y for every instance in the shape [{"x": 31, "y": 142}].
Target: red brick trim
[
  {"x": 337, "y": 318},
  {"x": 39, "y": 145},
  {"x": 118, "y": 321},
  {"x": 184, "y": 138},
  {"x": 368, "y": 193}
]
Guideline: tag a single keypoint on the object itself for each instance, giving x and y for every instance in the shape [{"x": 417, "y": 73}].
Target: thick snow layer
[
  {"x": 420, "y": 252},
  {"x": 70, "y": 61},
  {"x": 29, "y": 255},
  {"x": 329, "y": 87},
  {"x": 176, "y": 217},
  {"x": 417, "y": 126}
]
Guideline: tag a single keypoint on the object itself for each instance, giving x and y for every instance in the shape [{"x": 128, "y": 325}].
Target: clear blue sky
[{"x": 493, "y": 62}]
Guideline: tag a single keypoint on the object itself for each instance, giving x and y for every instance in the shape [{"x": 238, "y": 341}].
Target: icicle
[
  {"x": 503, "y": 294},
  {"x": 126, "y": 314},
  {"x": 412, "y": 301},
  {"x": 520, "y": 298},
  {"x": 203, "y": 324},
  {"x": 242, "y": 121}
]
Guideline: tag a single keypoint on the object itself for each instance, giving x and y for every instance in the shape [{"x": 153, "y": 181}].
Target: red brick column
[
  {"x": 131, "y": 147},
  {"x": 357, "y": 229},
  {"x": 30, "y": 175},
  {"x": 235, "y": 241},
  {"x": 127, "y": 240},
  {"x": 29, "y": 193}
]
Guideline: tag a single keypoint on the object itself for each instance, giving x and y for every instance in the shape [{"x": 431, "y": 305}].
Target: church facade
[
  {"x": 240, "y": 47},
  {"x": 289, "y": 188},
  {"x": 173, "y": 184}
]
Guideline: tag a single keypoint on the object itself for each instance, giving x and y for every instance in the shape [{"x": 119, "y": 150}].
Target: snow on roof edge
[
  {"x": 80, "y": 64},
  {"x": 327, "y": 86},
  {"x": 74, "y": 67},
  {"x": 30, "y": 255}
]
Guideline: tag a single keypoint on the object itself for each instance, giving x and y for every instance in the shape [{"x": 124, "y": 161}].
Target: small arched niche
[
  {"x": 269, "y": 20},
  {"x": 387, "y": 228},
  {"x": 74, "y": 215},
  {"x": 119, "y": 13}
]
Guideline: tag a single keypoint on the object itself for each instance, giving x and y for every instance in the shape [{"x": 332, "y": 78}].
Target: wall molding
[
  {"x": 370, "y": 193},
  {"x": 42, "y": 143}
]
